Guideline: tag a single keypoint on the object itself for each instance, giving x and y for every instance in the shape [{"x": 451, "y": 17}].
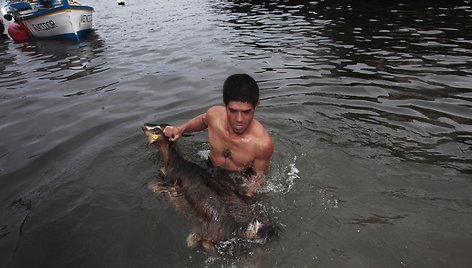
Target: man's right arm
[{"x": 195, "y": 124}]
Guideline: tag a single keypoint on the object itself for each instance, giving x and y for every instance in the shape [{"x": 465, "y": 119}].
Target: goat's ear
[{"x": 164, "y": 125}]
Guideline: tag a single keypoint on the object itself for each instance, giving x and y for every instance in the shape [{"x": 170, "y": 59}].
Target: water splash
[
  {"x": 279, "y": 182},
  {"x": 204, "y": 154},
  {"x": 292, "y": 174},
  {"x": 283, "y": 181},
  {"x": 328, "y": 200}
]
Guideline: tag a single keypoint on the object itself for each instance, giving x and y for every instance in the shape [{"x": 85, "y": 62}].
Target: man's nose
[{"x": 239, "y": 117}]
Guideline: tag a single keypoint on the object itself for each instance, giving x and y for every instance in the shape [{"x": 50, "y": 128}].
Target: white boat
[{"x": 62, "y": 19}]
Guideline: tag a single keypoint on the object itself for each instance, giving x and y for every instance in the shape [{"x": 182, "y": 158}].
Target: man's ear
[{"x": 257, "y": 105}]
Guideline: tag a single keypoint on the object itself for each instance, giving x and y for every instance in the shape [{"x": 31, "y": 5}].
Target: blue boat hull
[{"x": 64, "y": 21}]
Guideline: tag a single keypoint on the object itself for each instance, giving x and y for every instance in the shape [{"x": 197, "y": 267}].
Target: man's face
[{"x": 240, "y": 115}]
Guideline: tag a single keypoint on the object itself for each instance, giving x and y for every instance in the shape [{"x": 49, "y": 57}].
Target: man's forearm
[{"x": 195, "y": 124}]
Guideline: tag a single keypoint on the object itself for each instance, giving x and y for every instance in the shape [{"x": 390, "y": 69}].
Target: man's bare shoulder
[
  {"x": 215, "y": 117},
  {"x": 263, "y": 139},
  {"x": 215, "y": 111},
  {"x": 259, "y": 131}
]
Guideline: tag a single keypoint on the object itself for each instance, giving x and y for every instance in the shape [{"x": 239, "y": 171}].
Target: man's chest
[{"x": 231, "y": 156}]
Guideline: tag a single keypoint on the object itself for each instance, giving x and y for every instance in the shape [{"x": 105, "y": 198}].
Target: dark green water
[{"x": 369, "y": 104}]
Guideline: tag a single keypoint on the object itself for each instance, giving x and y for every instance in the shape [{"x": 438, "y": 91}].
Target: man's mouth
[{"x": 238, "y": 127}]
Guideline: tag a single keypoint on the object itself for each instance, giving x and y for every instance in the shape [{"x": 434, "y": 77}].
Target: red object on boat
[{"x": 18, "y": 32}]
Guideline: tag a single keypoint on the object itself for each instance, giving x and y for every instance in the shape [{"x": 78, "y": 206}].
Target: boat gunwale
[{"x": 49, "y": 11}]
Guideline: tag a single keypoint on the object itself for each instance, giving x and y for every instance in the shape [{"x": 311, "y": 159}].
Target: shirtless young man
[{"x": 238, "y": 142}]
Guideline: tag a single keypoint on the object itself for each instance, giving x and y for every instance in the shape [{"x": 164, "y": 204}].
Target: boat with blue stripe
[{"x": 52, "y": 19}]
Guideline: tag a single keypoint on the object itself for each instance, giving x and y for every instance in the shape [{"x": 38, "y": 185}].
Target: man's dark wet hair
[{"x": 241, "y": 87}]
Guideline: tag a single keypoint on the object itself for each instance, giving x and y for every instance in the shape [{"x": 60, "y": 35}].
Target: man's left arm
[{"x": 261, "y": 165}]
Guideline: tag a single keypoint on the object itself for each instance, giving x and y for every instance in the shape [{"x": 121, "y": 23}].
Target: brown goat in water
[{"x": 222, "y": 222}]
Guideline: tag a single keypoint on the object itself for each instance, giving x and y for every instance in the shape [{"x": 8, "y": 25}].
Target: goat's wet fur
[{"x": 223, "y": 222}]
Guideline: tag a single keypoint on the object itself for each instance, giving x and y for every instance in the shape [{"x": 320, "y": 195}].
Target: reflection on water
[
  {"x": 54, "y": 60},
  {"x": 369, "y": 104}
]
